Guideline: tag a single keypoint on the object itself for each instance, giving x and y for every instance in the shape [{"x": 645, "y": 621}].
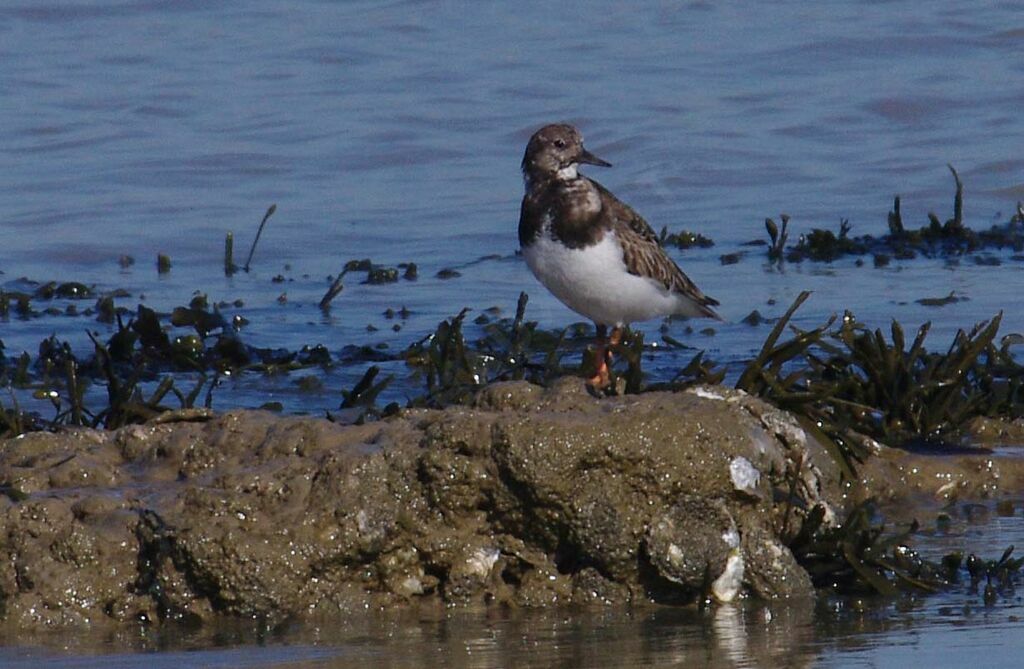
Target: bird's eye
[{"x": 560, "y": 143}]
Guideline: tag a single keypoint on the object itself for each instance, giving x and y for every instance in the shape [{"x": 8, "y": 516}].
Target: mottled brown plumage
[
  {"x": 592, "y": 251},
  {"x": 562, "y": 201},
  {"x": 644, "y": 254}
]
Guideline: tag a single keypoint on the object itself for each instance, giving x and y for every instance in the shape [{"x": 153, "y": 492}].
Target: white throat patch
[{"x": 568, "y": 173}]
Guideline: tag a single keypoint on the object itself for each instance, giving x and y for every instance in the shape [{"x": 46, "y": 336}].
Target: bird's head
[{"x": 554, "y": 152}]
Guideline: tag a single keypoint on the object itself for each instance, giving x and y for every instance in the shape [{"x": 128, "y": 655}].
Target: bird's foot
[{"x": 601, "y": 378}]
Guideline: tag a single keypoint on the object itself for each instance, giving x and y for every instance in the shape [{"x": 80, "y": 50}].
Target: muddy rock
[
  {"x": 690, "y": 544},
  {"x": 983, "y": 430},
  {"x": 531, "y": 497},
  {"x": 902, "y": 480}
]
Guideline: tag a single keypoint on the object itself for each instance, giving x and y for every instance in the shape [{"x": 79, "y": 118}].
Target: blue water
[{"x": 394, "y": 131}]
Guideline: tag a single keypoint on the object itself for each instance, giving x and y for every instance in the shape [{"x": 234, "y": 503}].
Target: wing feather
[{"x": 644, "y": 255}]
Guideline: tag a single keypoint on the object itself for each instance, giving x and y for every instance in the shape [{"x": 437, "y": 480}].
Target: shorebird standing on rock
[{"x": 591, "y": 250}]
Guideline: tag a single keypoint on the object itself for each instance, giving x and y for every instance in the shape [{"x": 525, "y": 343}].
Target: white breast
[{"x": 593, "y": 281}]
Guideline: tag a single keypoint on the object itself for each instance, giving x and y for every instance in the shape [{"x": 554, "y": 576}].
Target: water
[{"x": 394, "y": 131}]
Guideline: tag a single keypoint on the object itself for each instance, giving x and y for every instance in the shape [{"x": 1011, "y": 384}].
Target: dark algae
[
  {"x": 685, "y": 239},
  {"x": 842, "y": 376},
  {"x": 259, "y": 231},
  {"x": 846, "y": 377},
  {"x": 950, "y": 238},
  {"x": 859, "y": 556}
]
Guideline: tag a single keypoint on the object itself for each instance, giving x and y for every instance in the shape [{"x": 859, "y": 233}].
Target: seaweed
[
  {"x": 952, "y": 298},
  {"x": 379, "y": 275},
  {"x": 895, "y": 219},
  {"x": 511, "y": 349},
  {"x": 826, "y": 246},
  {"x": 364, "y": 393},
  {"x": 731, "y": 258},
  {"x": 140, "y": 353},
  {"x": 851, "y": 381},
  {"x": 163, "y": 263},
  {"x": 229, "y": 254},
  {"x": 521, "y": 350},
  {"x": 453, "y": 372},
  {"x": 698, "y": 372},
  {"x": 126, "y": 402},
  {"x": 332, "y": 291},
  {"x": 199, "y": 316},
  {"x": 777, "y": 237},
  {"x": 14, "y": 421},
  {"x": 375, "y": 275},
  {"x": 684, "y": 239},
  {"x": 71, "y": 290},
  {"x": 846, "y": 382},
  {"x": 937, "y": 238},
  {"x": 859, "y": 556}
]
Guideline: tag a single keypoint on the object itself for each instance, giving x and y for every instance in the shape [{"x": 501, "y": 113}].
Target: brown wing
[
  {"x": 625, "y": 214},
  {"x": 644, "y": 256}
]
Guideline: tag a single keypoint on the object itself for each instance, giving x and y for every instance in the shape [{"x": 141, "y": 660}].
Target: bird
[{"x": 594, "y": 252}]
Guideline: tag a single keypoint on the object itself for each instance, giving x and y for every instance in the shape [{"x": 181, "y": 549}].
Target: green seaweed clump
[
  {"x": 826, "y": 246},
  {"x": 71, "y": 290},
  {"x": 851, "y": 381},
  {"x": 777, "y": 238},
  {"x": 362, "y": 397},
  {"x": 378, "y": 275},
  {"x": 859, "y": 557},
  {"x": 453, "y": 371},
  {"x": 937, "y": 238},
  {"x": 140, "y": 366},
  {"x": 685, "y": 239},
  {"x": 510, "y": 349}
]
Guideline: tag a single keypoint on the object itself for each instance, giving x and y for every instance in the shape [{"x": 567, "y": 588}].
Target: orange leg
[
  {"x": 603, "y": 354},
  {"x": 600, "y": 379}
]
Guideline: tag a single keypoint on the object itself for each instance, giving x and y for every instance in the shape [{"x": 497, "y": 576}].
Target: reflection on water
[
  {"x": 729, "y": 636},
  {"x": 948, "y": 629}
]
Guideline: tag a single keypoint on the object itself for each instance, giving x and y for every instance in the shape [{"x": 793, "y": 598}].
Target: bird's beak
[{"x": 590, "y": 159}]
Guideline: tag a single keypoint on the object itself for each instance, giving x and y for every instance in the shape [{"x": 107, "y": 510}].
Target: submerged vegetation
[
  {"x": 937, "y": 238},
  {"x": 848, "y": 381},
  {"x": 859, "y": 556},
  {"x": 140, "y": 354},
  {"x": 851, "y": 381}
]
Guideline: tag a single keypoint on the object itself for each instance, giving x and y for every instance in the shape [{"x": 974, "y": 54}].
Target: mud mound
[{"x": 531, "y": 497}]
